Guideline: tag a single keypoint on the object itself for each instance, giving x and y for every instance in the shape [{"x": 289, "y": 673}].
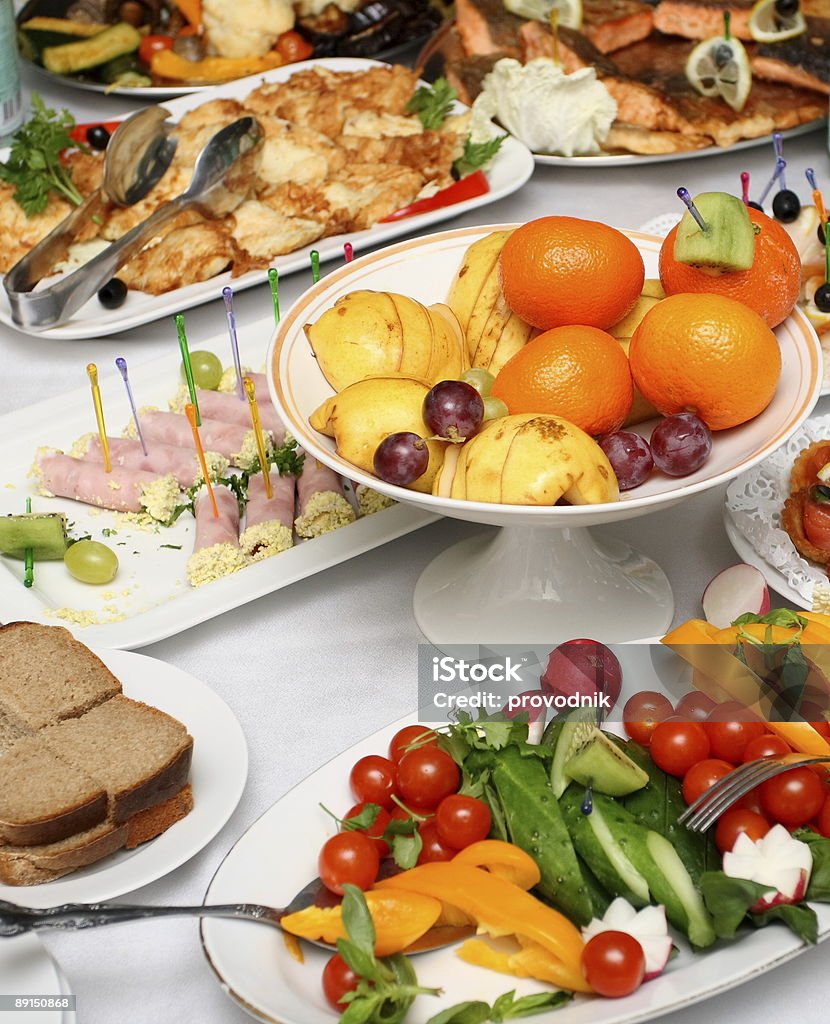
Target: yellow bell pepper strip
[
  {"x": 399, "y": 919},
  {"x": 168, "y": 64},
  {"x": 529, "y": 961},
  {"x": 498, "y": 908},
  {"x": 504, "y": 859},
  {"x": 192, "y": 10}
]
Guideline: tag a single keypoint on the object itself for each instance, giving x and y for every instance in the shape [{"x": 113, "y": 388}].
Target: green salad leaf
[
  {"x": 728, "y": 900},
  {"x": 819, "y": 888}
]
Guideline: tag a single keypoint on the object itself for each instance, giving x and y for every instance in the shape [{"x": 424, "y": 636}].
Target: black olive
[
  {"x": 820, "y": 494},
  {"x": 755, "y": 206},
  {"x": 722, "y": 55},
  {"x": 98, "y": 137},
  {"x": 822, "y": 298},
  {"x": 786, "y": 206},
  {"x": 113, "y": 293},
  {"x": 786, "y": 8}
]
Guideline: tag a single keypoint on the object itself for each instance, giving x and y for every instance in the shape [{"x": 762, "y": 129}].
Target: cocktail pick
[
  {"x": 685, "y": 197},
  {"x": 227, "y": 295},
  {"x": 29, "y": 556},
  {"x": 121, "y": 363},
  {"x": 348, "y": 251},
  {"x": 778, "y": 146},
  {"x": 274, "y": 281},
  {"x": 818, "y": 197},
  {"x": 259, "y": 437},
  {"x": 780, "y": 166},
  {"x": 92, "y": 373},
  {"x": 745, "y": 187},
  {"x": 315, "y": 266},
  {"x": 188, "y": 369},
  {"x": 190, "y": 412}
]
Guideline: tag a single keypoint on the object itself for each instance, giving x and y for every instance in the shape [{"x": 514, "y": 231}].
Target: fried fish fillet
[
  {"x": 431, "y": 154},
  {"x": 20, "y": 233},
  {"x": 184, "y": 256},
  {"x": 291, "y": 152},
  {"x": 366, "y": 193},
  {"x": 263, "y": 231}
]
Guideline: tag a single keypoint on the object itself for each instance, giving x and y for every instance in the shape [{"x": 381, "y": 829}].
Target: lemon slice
[
  {"x": 768, "y": 23},
  {"x": 720, "y": 67},
  {"x": 569, "y": 11}
]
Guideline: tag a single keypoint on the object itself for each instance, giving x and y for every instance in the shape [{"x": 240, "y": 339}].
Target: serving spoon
[
  {"x": 220, "y": 182},
  {"x": 15, "y": 920}
]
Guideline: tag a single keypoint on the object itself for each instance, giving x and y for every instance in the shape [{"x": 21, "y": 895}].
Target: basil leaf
[
  {"x": 358, "y": 921},
  {"x": 527, "y": 1006},
  {"x": 728, "y": 900},
  {"x": 360, "y": 1009},
  {"x": 406, "y": 850},
  {"x": 798, "y": 917},
  {"x": 819, "y": 887},
  {"x": 472, "y": 1012},
  {"x": 362, "y": 963}
]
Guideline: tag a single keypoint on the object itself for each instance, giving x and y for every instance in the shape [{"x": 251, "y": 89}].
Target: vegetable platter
[
  {"x": 509, "y": 170},
  {"x": 150, "y": 598},
  {"x": 516, "y": 781}
]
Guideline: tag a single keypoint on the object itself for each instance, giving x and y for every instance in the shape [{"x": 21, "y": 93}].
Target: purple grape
[
  {"x": 453, "y": 409},
  {"x": 630, "y": 456},
  {"x": 681, "y": 444},
  {"x": 401, "y": 458}
]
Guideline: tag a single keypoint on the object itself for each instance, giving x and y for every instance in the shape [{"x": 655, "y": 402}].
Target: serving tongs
[{"x": 139, "y": 153}]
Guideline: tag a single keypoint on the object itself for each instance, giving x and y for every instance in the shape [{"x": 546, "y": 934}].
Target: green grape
[
  {"x": 91, "y": 562},
  {"x": 481, "y": 380},
  {"x": 207, "y": 370},
  {"x": 494, "y": 408}
]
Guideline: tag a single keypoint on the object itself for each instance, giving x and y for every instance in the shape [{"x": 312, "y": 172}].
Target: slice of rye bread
[
  {"x": 44, "y": 798},
  {"x": 139, "y": 754},
  {"x": 9, "y": 733},
  {"x": 46, "y": 675},
  {"x": 33, "y": 865}
]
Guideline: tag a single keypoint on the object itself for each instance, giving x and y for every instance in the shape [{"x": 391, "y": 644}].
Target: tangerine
[
  {"x": 578, "y": 373},
  {"x": 560, "y": 271},
  {"x": 771, "y": 286},
  {"x": 707, "y": 354}
]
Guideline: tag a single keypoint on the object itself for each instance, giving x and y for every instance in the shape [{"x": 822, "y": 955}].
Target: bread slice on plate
[
  {"x": 46, "y": 675},
  {"x": 139, "y": 754}
]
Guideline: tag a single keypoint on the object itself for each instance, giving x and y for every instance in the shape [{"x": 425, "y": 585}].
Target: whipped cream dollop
[{"x": 545, "y": 108}]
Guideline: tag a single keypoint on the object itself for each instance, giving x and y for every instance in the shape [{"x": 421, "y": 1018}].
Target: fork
[{"x": 726, "y": 792}]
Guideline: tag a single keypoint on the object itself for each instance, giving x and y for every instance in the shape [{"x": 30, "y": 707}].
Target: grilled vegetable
[
  {"x": 36, "y": 34},
  {"x": 70, "y": 58}
]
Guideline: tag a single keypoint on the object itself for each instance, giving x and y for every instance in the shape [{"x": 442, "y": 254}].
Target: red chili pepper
[
  {"x": 475, "y": 184},
  {"x": 78, "y": 133}
]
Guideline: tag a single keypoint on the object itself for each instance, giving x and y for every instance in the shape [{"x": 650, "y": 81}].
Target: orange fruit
[
  {"x": 578, "y": 373},
  {"x": 559, "y": 271},
  {"x": 771, "y": 286},
  {"x": 705, "y": 354}
]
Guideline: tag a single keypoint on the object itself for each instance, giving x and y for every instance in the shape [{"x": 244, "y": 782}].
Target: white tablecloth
[{"x": 317, "y": 666}]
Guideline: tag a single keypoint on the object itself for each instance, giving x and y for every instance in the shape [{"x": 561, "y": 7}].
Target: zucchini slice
[{"x": 70, "y": 58}]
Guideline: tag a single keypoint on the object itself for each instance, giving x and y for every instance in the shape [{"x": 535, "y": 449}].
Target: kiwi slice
[
  {"x": 42, "y": 532},
  {"x": 728, "y": 241},
  {"x": 598, "y": 762}
]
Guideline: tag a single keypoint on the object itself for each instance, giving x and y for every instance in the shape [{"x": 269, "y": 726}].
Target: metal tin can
[{"x": 11, "y": 100}]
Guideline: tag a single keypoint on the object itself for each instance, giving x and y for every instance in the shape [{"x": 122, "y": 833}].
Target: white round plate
[
  {"x": 637, "y": 159},
  {"x": 255, "y": 969},
  {"x": 27, "y": 969},
  {"x": 218, "y": 774},
  {"x": 776, "y": 580},
  {"x": 423, "y": 268}
]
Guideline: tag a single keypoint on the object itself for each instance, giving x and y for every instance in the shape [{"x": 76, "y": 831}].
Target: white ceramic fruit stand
[{"x": 543, "y": 574}]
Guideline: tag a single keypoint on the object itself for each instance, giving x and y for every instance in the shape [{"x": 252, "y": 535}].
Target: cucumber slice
[
  {"x": 43, "y": 532},
  {"x": 698, "y": 926},
  {"x": 603, "y": 852}
]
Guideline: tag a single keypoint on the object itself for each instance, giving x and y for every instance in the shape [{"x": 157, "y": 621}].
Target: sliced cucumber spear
[{"x": 44, "y": 533}]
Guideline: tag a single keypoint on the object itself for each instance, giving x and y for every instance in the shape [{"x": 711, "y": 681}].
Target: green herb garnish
[
  {"x": 506, "y": 1007},
  {"x": 34, "y": 166},
  {"x": 476, "y": 155},
  {"x": 432, "y": 103}
]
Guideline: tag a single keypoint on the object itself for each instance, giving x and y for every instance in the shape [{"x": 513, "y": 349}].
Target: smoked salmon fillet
[
  {"x": 613, "y": 24},
  {"x": 803, "y": 61}
]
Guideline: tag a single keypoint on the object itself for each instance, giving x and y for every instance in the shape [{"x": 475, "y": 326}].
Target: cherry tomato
[
  {"x": 151, "y": 45},
  {"x": 816, "y": 519},
  {"x": 792, "y": 798},
  {"x": 824, "y": 818},
  {"x": 732, "y": 711},
  {"x": 735, "y": 822},
  {"x": 373, "y": 780},
  {"x": 291, "y": 46},
  {"x": 375, "y": 831},
  {"x": 751, "y": 802},
  {"x": 426, "y": 776},
  {"x": 676, "y": 746},
  {"x": 434, "y": 849},
  {"x": 462, "y": 820},
  {"x": 614, "y": 964},
  {"x": 348, "y": 857},
  {"x": 729, "y": 740},
  {"x": 338, "y": 979},
  {"x": 703, "y": 776},
  {"x": 694, "y": 706},
  {"x": 643, "y": 712},
  {"x": 765, "y": 746},
  {"x": 420, "y": 735}
]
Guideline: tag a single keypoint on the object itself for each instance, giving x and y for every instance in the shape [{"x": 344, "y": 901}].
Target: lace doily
[
  {"x": 755, "y": 499},
  {"x": 661, "y": 225}
]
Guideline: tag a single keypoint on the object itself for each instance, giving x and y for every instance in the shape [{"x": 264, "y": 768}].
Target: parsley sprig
[
  {"x": 34, "y": 166},
  {"x": 432, "y": 103},
  {"x": 476, "y": 155}
]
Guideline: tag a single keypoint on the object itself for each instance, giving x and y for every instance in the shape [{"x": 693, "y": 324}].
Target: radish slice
[
  {"x": 734, "y": 591},
  {"x": 777, "y": 860},
  {"x": 648, "y": 926}
]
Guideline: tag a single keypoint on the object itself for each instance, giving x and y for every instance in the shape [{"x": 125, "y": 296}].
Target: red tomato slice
[
  {"x": 817, "y": 524},
  {"x": 475, "y": 184}
]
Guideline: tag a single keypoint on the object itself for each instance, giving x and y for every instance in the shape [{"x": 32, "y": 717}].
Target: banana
[{"x": 479, "y": 260}]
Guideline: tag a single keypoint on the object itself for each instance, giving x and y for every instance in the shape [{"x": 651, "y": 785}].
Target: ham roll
[
  {"x": 234, "y": 441},
  {"x": 370, "y": 501},
  {"x": 161, "y": 458},
  {"x": 123, "y": 490},
  {"x": 219, "y": 405},
  {"x": 268, "y": 521},
  {"x": 216, "y": 551},
  {"x": 322, "y": 505}
]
